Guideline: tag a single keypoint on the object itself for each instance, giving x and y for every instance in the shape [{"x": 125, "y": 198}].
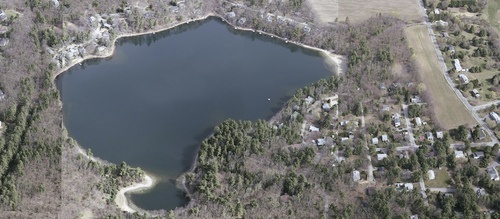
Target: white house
[
  {"x": 493, "y": 173},
  {"x": 385, "y": 138},
  {"x": 407, "y": 186},
  {"x": 309, "y": 100},
  {"x": 431, "y": 175},
  {"x": 478, "y": 155},
  {"x": 459, "y": 154},
  {"x": 375, "y": 141},
  {"x": 320, "y": 141},
  {"x": 381, "y": 156},
  {"x": 4, "y": 42},
  {"x": 356, "y": 175},
  {"x": 418, "y": 121},
  {"x": 439, "y": 135},
  {"x": 495, "y": 117},
  {"x": 451, "y": 49},
  {"x": 313, "y": 129},
  {"x": 397, "y": 121},
  {"x": 326, "y": 107},
  {"x": 415, "y": 99},
  {"x": 457, "y": 65},
  {"x": 430, "y": 136},
  {"x": 476, "y": 93},
  {"x": 436, "y": 11},
  {"x": 463, "y": 79},
  {"x": 415, "y": 216}
]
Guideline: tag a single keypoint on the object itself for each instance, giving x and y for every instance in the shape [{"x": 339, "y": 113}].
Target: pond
[{"x": 154, "y": 101}]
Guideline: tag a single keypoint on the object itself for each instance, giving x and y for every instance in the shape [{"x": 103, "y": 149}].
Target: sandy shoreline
[{"x": 121, "y": 200}]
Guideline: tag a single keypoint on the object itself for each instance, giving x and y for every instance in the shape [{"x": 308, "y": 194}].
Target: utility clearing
[
  {"x": 328, "y": 11},
  {"x": 450, "y": 111}
]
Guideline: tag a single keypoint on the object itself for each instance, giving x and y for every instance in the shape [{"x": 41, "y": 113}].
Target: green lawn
[{"x": 440, "y": 180}]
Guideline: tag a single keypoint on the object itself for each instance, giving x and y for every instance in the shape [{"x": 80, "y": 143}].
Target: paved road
[
  {"x": 422, "y": 190},
  {"x": 443, "y": 190},
  {"x": 444, "y": 70},
  {"x": 481, "y": 144},
  {"x": 408, "y": 126},
  {"x": 486, "y": 105},
  {"x": 370, "y": 177}
]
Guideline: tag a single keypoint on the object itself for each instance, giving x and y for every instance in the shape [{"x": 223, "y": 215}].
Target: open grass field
[
  {"x": 359, "y": 10},
  {"x": 450, "y": 112},
  {"x": 493, "y": 13},
  {"x": 440, "y": 180}
]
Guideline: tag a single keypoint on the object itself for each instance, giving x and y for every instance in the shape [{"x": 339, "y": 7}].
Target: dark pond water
[{"x": 160, "y": 95}]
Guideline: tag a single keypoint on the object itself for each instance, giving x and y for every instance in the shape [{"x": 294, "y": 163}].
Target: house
[
  {"x": 230, "y": 15},
  {"x": 2, "y": 95},
  {"x": 396, "y": 120},
  {"x": 320, "y": 141},
  {"x": 439, "y": 135},
  {"x": 344, "y": 123},
  {"x": 307, "y": 29},
  {"x": 431, "y": 175},
  {"x": 456, "y": 64},
  {"x": 313, "y": 128},
  {"x": 309, "y": 100},
  {"x": 356, "y": 176},
  {"x": 3, "y": 29},
  {"x": 482, "y": 134},
  {"x": 463, "y": 78},
  {"x": 386, "y": 108},
  {"x": 4, "y": 42},
  {"x": 56, "y": 3},
  {"x": 375, "y": 141},
  {"x": 475, "y": 93},
  {"x": 481, "y": 192},
  {"x": 294, "y": 115},
  {"x": 415, "y": 216},
  {"x": 436, "y": 11},
  {"x": 493, "y": 173},
  {"x": 415, "y": 99},
  {"x": 242, "y": 21},
  {"x": 351, "y": 135},
  {"x": 344, "y": 139},
  {"x": 495, "y": 117},
  {"x": 418, "y": 121},
  {"x": 429, "y": 135},
  {"x": 381, "y": 156},
  {"x": 326, "y": 107},
  {"x": 382, "y": 86},
  {"x": 478, "y": 155},
  {"x": 3, "y": 16},
  {"x": 407, "y": 186},
  {"x": 451, "y": 49},
  {"x": 270, "y": 18},
  {"x": 459, "y": 154},
  {"x": 385, "y": 138},
  {"x": 441, "y": 23}
]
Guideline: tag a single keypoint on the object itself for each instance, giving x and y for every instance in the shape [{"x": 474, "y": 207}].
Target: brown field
[
  {"x": 450, "y": 112},
  {"x": 359, "y": 10}
]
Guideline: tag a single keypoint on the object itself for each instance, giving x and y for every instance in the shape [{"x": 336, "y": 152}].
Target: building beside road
[
  {"x": 456, "y": 65},
  {"x": 463, "y": 78}
]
